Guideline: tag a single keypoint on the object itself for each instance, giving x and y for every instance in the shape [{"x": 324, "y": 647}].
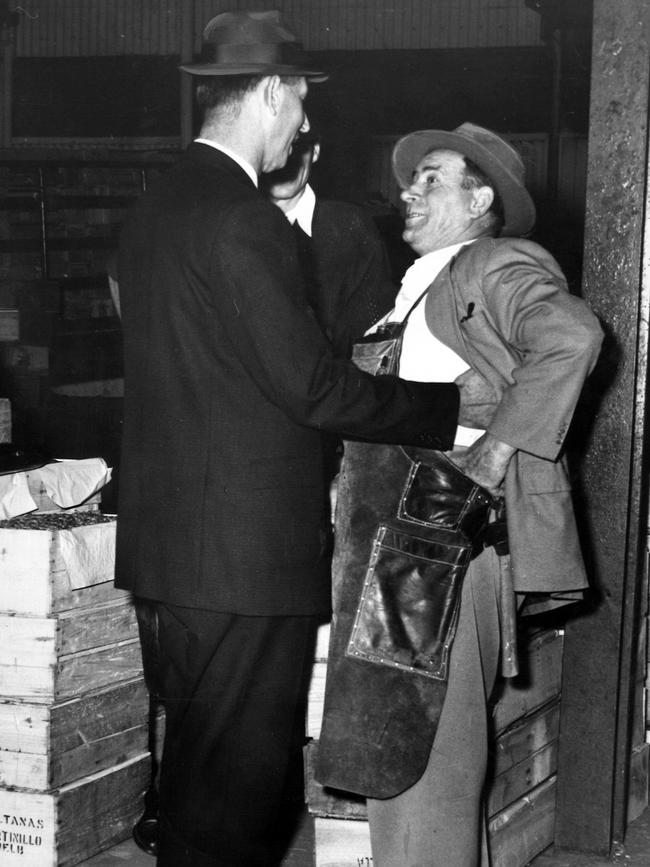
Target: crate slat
[
  {"x": 46, "y": 746},
  {"x": 73, "y": 674}
]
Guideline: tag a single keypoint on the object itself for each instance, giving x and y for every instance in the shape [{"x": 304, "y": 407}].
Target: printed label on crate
[{"x": 25, "y": 834}]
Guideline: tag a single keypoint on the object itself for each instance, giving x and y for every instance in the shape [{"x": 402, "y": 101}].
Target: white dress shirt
[
  {"x": 424, "y": 358},
  {"x": 303, "y": 211}
]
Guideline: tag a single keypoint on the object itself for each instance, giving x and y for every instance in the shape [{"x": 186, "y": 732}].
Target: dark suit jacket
[
  {"x": 347, "y": 274},
  {"x": 347, "y": 283},
  {"x": 228, "y": 384}
]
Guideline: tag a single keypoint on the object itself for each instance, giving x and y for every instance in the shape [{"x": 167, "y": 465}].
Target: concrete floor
[{"x": 635, "y": 852}]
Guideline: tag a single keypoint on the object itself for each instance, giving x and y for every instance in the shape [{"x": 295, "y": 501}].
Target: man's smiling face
[{"x": 438, "y": 207}]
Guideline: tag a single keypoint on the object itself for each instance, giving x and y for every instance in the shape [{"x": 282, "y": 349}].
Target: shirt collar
[
  {"x": 244, "y": 164},
  {"x": 419, "y": 276},
  {"x": 303, "y": 211}
]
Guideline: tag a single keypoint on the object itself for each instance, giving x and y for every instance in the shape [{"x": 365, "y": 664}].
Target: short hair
[
  {"x": 225, "y": 91},
  {"x": 474, "y": 177},
  {"x": 219, "y": 91}
]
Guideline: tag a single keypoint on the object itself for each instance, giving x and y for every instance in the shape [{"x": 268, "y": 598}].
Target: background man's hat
[
  {"x": 494, "y": 156},
  {"x": 251, "y": 43}
]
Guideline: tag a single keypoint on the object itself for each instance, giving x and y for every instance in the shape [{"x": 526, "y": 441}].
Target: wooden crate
[
  {"x": 517, "y": 834},
  {"x": 40, "y": 641},
  {"x": 5, "y": 420},
  {"x": 74, "y": 822},
  {"x": 44, "y": 747},
  {"x": 520, "y": 787},
  {"x": 73, "y": 674},
  {"x": 523, "y": 757},
  {"x": 341, "y": 843},
  {"x": 316, "y": 699},
  {"x": 539, "y": 681},
  {"x": 34, "y": 579},
  {"x": 80, "y": 650},
  {"x": 9, "y": 324},
  {"x": 525, "y": 828},
  {"x": 316, "y": 696},
  {"x": 26, "y": 357}
]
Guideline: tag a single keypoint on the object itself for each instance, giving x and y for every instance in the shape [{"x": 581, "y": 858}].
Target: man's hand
[
  {"x": 478, "y": 400},
  {"x": 485, "y": 462}
]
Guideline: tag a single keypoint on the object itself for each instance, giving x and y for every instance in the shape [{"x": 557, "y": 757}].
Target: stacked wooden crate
[
  {"x": 5, "y": 420},
  {"x": 73, "y": 705},
  {"x": 521, "y": 781}
]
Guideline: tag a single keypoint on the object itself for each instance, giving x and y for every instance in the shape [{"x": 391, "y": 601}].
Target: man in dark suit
[
  {"x": 343, "y": 259},
  {"x": 229, "y": 384}
]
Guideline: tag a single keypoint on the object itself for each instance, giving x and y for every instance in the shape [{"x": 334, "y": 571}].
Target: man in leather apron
[{"x": 412, "y": 738}]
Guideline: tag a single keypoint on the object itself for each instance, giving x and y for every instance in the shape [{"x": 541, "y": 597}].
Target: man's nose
[
  {"x": 408, "y": 194},
  {"x": 306, "y": 126}
]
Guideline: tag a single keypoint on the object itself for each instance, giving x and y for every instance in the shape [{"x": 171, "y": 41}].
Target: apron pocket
[{"x": 410, "y": 599}]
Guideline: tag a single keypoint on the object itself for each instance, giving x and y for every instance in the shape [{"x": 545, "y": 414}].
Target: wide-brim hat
[
  {"x": 495, "y": 157},
  {"x": 251, "y": 43}
]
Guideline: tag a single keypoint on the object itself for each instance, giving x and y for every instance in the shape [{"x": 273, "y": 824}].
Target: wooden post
[{"x": 601, "y": 646}]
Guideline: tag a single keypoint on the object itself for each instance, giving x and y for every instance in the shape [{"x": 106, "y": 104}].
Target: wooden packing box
[
  {"x": 73, "y": 674},
  {"x": 525, "y": 828},
  {"x": 74, "y": 822},
  {"x": 523, "y": 757},
  {"x": 26, "y": 357},
  {"x": 521, "y": 781},
  {"x": 9, "y": 324},
  {"x": 44, "y": 747},
  {"x": 34, "y": 579},
  {"x": 316, "y": 699},
  {"x": 539, "y": 679},
  {"x": 5, "y": 420},
  {"x": 77, "y": 651},
  {"x": 517, "y": 834}
]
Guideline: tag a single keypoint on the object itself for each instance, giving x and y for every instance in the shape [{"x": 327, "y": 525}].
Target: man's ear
[
  {"x": 272, "y": 93},
  {"x": 482, "y": 198}
]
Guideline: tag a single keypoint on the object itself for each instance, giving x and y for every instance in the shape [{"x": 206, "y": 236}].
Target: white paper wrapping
[
  {"x": 88, "y": 553},
  {"x": 15, "y": 498},
  {"x": 69, "y": 483}
]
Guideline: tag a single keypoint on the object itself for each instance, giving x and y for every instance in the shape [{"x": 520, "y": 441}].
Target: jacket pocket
[{"x": 543, "y": 477}]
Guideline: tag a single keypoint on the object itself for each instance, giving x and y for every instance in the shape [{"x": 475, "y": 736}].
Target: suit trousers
[
  {"x": 234, "y": 690},
  {"x": 439, "y": 821}
]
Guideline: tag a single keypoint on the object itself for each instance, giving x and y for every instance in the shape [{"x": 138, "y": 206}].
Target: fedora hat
[
  {"x": 494, "y": 156},
  {"x": 251, "y": 43}
]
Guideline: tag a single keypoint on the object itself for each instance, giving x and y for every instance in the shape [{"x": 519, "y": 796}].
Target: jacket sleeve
[
  {"x": 555, "y": 337},
  {"x": 277, "y": 340},
  {"x": 367, "y": 291}
]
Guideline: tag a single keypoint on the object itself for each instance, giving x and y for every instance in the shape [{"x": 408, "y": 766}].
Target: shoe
[{"x": 145, "y": 834}]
